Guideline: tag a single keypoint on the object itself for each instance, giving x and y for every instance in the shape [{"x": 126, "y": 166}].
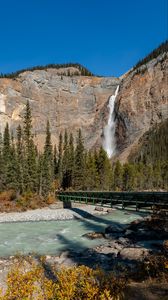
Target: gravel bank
[{"x": 49, "y": 214}]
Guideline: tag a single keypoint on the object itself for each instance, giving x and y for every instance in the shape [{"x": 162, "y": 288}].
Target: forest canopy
[
  {"x": 24, "y": 169},
  {"x": 82, "y": 70}
]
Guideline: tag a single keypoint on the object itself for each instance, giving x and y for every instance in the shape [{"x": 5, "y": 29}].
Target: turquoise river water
[{"x": 53, "y": 237}]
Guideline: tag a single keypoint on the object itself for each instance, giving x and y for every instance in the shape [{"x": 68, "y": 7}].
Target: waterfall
[{"x": 109, "y": 143}]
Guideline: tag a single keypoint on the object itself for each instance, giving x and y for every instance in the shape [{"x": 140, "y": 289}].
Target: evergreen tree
[
  {"x": 47, "y": 166},
  {"x": 65, "y": 161},
  {"x": 139, "y": 176},
  {"x": 118, "y": 176},
  {"x": 157, "y": 176},
  {"x": 129, "y": 179},
  {"x": 13, "y": 167},
  {"x": 60, "y": 154},
  {"x": 27, "y": 128},
  {"x": 91, "y": 178},
  {"x": 164, "y": 174},
  {"x": 79, "y": 163},
  {"x": 71, "y": 160},
  {"x": 55, "y": 161},
  {"x": 104, "y": 170},
  {"x": 40, "y": 174},
  {"x": 20, "y": 159},
  {"x": 148, "y": 176},
  {"x": 30, "y": 162}
]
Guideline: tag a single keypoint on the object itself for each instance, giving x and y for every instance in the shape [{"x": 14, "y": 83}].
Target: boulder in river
[
  {"x": 94, "y": 235},
  {"x": 99, "y": 208}
]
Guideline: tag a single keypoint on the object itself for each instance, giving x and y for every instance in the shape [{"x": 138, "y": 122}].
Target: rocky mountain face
[
  {"x": 69, "y": 102},
  {"x": 73, "y": 102},
  {"x": 142, "y": 102}
]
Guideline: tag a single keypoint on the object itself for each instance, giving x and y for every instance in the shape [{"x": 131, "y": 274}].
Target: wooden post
[{"x": 123, "y": 202}]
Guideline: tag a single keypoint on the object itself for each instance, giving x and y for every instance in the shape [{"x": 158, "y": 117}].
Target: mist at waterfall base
[{"x": 109, "y": 141}]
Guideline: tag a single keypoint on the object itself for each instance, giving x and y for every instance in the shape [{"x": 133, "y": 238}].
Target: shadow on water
[
  {"x": 96, "y": 223},
  {"x": 79, "y": 254},
  {"x": 75, "y": 252},
  {"x": 93, "y": 259}
]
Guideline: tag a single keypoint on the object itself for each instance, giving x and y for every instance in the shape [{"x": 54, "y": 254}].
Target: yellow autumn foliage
[{"x": 73, "y": 283}]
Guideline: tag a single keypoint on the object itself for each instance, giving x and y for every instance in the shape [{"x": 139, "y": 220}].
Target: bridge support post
[
  {"x": 123, "y": 203},
  {"x": 137, "y": 208}
]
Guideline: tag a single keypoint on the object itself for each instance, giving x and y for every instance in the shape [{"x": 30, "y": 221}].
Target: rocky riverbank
[
  {"x": 137, "y": 250},
  {"x": 52, "y": 213},
  {"x": 121, "y": 246}
]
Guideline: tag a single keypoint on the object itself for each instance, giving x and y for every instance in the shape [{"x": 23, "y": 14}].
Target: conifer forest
[{"x": 23, "y": 168}]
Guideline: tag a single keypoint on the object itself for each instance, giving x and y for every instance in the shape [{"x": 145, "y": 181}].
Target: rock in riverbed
[
  {"x": 94, "y": 235},
  {"x": 133, "y": 253}
]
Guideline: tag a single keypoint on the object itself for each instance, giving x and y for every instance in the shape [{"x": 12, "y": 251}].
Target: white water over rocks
[{"x": 109, "y": 143}]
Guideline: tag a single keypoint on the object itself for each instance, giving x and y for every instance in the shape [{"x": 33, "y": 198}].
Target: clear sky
[{"x": 106, "y": 36}]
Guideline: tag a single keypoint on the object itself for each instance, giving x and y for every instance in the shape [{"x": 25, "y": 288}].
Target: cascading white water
[{"x": 109, "y": 143}]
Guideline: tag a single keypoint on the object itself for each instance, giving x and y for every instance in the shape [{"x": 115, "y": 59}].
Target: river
[{"x": 53, "y": 237}]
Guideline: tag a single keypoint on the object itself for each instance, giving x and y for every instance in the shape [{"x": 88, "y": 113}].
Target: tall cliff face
[
  {"x": 72, "y": 102},
  {"x": 141, "y": 103},
  {"x": 69, "y": 102}
]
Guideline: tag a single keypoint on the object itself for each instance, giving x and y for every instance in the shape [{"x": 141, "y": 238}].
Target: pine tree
[
  {"x": 65, "y": 162},
  {"x": 40, "y": 174},
  {"x": 27, "y": 128},
  {"x": 91, "y": 178},
  {"x": 157, "y": 175},
  {"x": 140, "y": 176},
  {"x": 55, "y": 161},
  {"x": 13, "y": 167},
  {"x": 20, "y": 159},
  {"x": 164, "y": 173},
  {"x": 47, "y": 166},
  {"x": 79, "y": 163},
  {"x": 30, "y": 162},
  {"x": 60, "y": 154},
  {"x": 71, "y": 160},
  {"x": 104, "y": 170},
  {"x": 129, "y": 177},
  {"x": 118, "y": 176}
]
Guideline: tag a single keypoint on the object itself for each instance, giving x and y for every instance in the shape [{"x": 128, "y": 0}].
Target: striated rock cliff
[
  {"x": 72, "y": 102},
  {"x": 69, "y": 102},
  {"x": 141, "y": 102}
]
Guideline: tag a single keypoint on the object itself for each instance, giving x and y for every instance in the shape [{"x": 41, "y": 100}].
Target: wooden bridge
[{"x": 148, "y": 201}]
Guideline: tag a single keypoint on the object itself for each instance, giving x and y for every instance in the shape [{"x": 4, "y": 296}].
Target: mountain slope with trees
[{"x": 26, "y": 173}]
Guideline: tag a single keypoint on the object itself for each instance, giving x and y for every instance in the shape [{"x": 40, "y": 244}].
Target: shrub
[
  {"x": 50, "y": 199},
  {"x": 29, "y": 282},
  {"x": 154, "y": 266},
  {"x": 7, "y": 196}
]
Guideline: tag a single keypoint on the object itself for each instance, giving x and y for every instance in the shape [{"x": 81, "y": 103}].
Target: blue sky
[{"x": 106, "y": 36}]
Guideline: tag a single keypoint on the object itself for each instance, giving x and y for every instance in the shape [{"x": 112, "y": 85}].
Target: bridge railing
[{"x": 125, "y": 199}]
